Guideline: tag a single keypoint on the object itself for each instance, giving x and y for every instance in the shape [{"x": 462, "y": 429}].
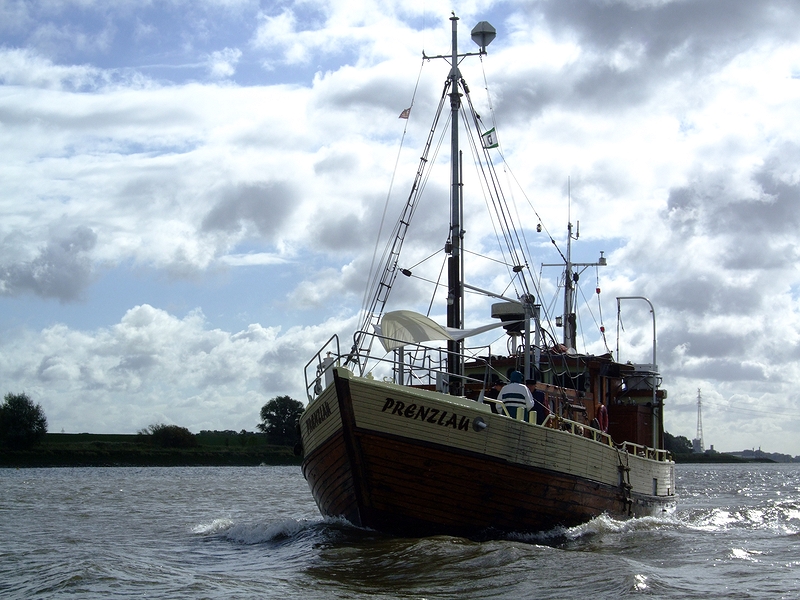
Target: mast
[
  {"x": 571, "y": 277},
  {"x": 570, "y": 324},
  {"x": 570, "y": 321},
  {"x": 455, "y": 263},
  {"x": 482, "y": 34}
]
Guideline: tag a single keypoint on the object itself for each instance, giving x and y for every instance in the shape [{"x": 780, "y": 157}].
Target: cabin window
[{"x": 655, "y": 486}]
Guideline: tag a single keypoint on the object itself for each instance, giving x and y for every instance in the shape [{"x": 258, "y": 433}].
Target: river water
[{"x": 227, "y": 532}]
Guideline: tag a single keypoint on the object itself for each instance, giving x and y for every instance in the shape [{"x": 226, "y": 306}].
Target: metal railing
[
  {"x": 410, "y": 364},
  {"x": 327, "y": 357}
]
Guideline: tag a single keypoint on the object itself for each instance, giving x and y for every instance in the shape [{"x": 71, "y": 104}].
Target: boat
[{"x": 401, "y": 433}]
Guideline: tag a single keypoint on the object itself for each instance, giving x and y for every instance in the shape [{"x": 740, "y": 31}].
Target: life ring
[{"x": 602, "y": 418}]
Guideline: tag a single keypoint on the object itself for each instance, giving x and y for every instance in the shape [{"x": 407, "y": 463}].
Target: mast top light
[{"x": 483, "y": 34}]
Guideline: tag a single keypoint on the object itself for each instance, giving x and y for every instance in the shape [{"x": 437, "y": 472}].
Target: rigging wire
[
  {"x": 427, "y": 258},
  {"x": 514, "y": 247},
  {"x": 386, "y": 276},
  {"x": 382, "y": 280},
  {"x": 548, "y": 311},
  {"x": 436, "y": 286},
  {"x": 516, "y": 261},
  {"x": 550, "y": 308},
  {"x": 509, "y": 176},
  {"x": 589, "y": 308},
  {"x": 513, "y": 237},
  {"x": 487, "y": 198},
  {"x": 368, "y": 288},
  {"x": 751, "y": 410},
  {"x": 494, "y": 191},
  {"x": 506, "y": 169}
]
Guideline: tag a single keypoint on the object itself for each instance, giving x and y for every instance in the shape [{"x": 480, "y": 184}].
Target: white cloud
[
  {"x": 154, "y": 363},
  {"x": 679, "y": 140},
  {"x": 28, "y": 69},
  {"x": 222, "y": 63}
]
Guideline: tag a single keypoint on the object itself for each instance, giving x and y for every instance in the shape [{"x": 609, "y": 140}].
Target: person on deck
[
  {"x": 493, "y": 392},
  {"x": 515, "y": 395}
]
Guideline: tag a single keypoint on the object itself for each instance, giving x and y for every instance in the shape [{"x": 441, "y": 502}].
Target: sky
[{"x": 192, "y": 190}]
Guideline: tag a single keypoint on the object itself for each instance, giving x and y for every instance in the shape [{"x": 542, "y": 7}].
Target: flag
[
  {"x": 490, "y": 139},
  {"x": 405, "y": 114}
]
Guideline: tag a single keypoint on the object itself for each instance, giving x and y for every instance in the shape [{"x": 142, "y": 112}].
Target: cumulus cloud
[
  {"x": 676, "y": 124},
  {"x": 152, "y": 365}
]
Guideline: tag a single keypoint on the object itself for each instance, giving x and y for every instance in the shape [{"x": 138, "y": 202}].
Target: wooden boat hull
[{"x": 412, "y": 462}]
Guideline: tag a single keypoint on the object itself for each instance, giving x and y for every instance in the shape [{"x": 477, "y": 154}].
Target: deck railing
[
  {"x": 556, "y": 422},
  {"x": 410, "y": 364},
  {"x": 327, "y": 357}
]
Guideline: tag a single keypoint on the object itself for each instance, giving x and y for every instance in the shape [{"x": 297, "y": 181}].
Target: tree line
[{"x": 23, "y": 424}]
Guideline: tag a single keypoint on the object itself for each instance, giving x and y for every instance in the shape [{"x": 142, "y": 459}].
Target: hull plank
[
  {"x": 329, "y": 475},
  {"x": 415, "y": 487}
]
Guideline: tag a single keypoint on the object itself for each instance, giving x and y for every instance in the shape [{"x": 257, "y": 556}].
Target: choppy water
[{"x": 255, "y": 533}]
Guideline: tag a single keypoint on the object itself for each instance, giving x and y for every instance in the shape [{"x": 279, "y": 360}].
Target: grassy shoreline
[
  {"x": 217, "y": 448},
  {"x": 120, "y": 450}
]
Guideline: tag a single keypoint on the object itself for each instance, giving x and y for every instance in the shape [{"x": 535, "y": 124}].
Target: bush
[
  {"x": 170, "y": 436},
  {"x": 22, "y": 423}
]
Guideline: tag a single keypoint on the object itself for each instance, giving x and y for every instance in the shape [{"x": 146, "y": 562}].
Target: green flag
[{"x": 490, "y": 139}]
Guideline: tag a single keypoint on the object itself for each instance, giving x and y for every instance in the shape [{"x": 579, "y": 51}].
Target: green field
[{"x": 218, "y": 448}]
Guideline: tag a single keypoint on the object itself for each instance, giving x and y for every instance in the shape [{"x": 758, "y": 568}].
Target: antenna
[{"x": 698, "y": 447}]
